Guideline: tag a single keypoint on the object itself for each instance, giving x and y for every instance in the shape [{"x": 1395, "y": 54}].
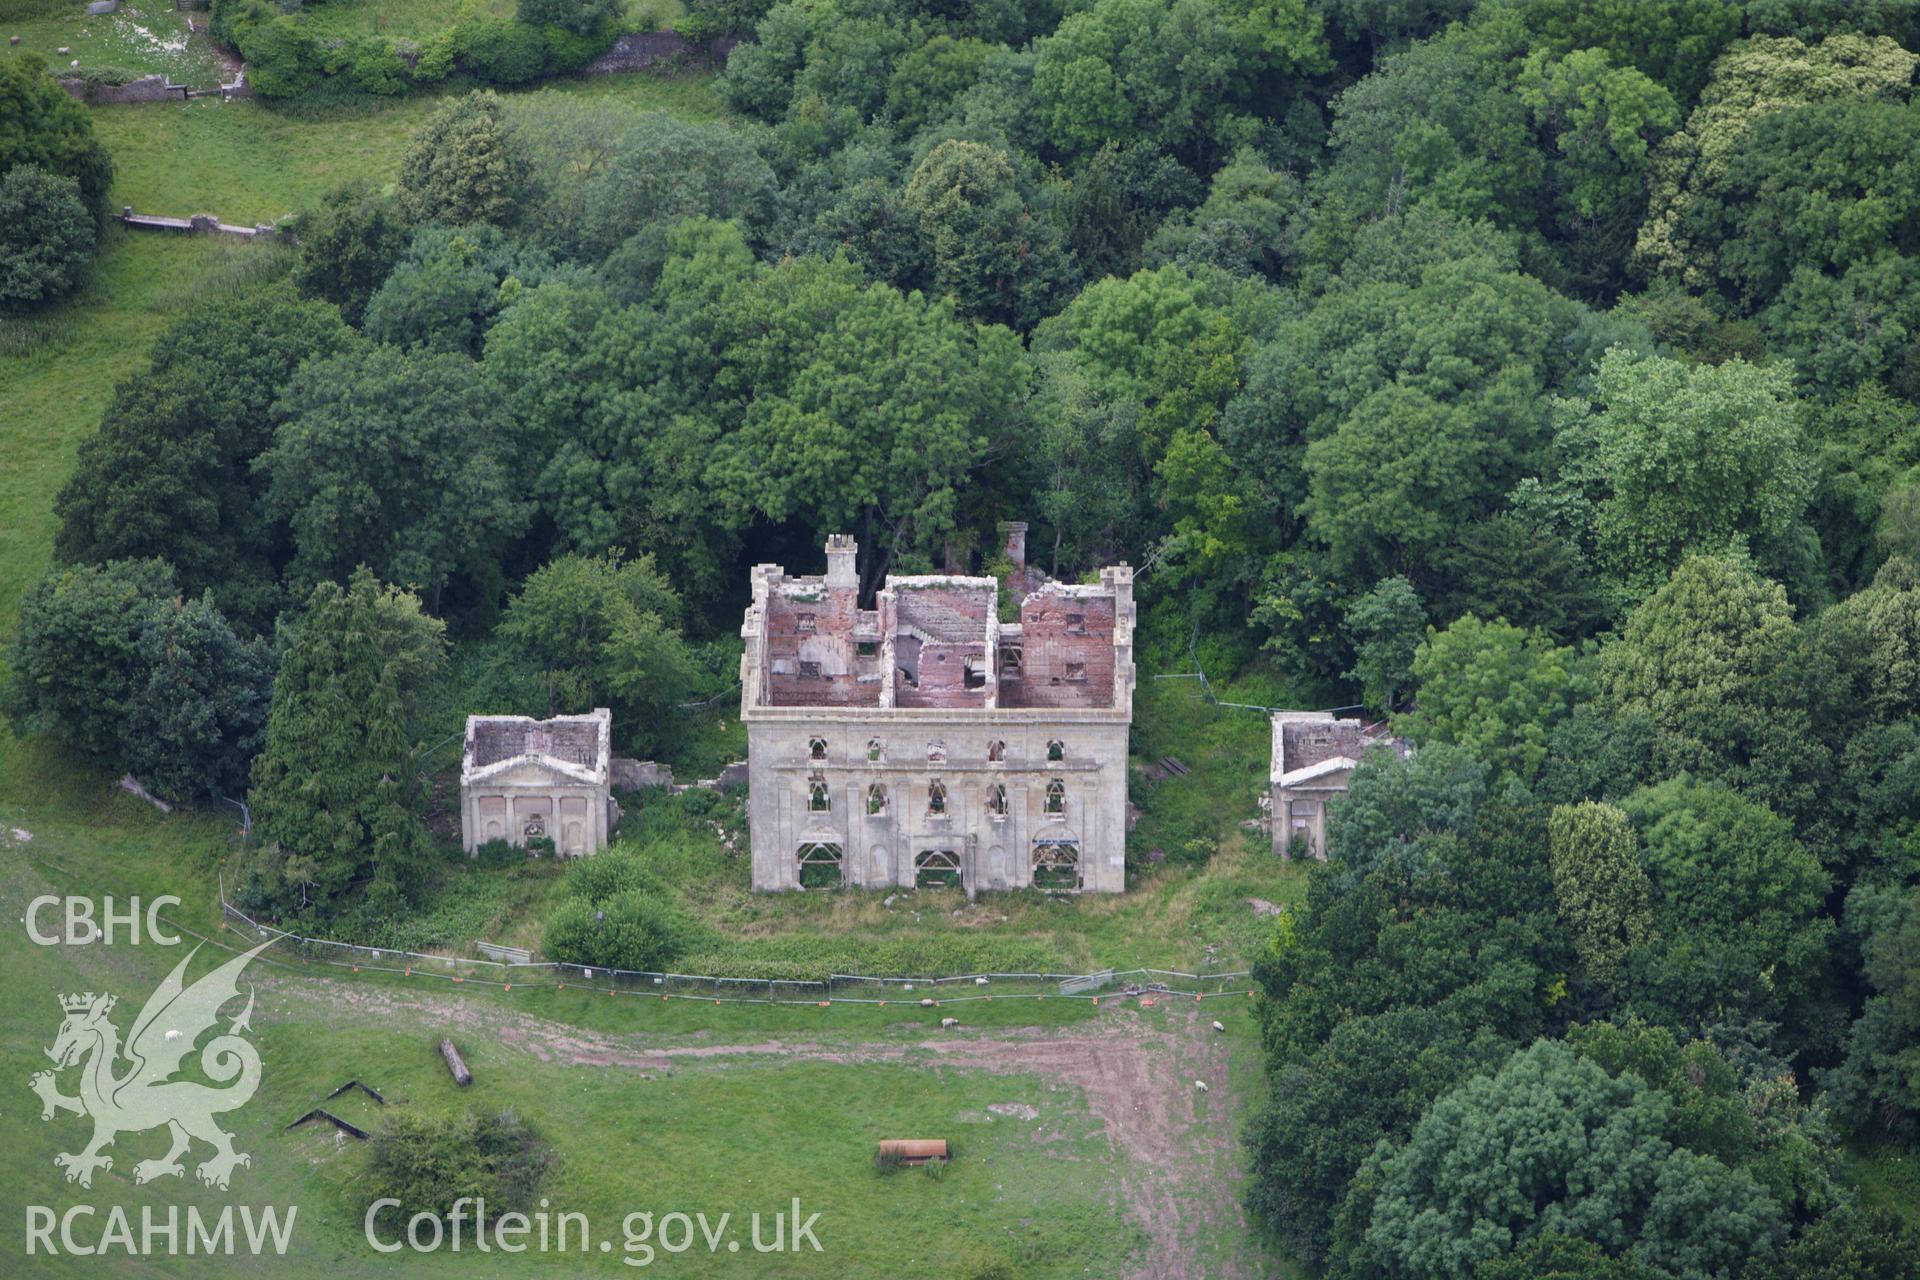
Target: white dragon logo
[{"x": 144, "y": 1096}]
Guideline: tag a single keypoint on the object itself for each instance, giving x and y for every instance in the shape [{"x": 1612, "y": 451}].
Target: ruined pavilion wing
[
  {"x": 1314, "y": 755},
  {"x": 950, "y": 745},
  {"x": 530, "y": 781}
]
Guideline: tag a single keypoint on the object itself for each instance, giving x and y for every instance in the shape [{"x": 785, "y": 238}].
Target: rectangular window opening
[{"x": 936, "y": 869}]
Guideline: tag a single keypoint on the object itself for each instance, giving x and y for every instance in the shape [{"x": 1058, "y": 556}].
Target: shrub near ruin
[{"x": 427, "y": 1162}]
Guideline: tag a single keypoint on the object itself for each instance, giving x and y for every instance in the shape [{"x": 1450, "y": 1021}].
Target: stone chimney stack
[
  {"x": 1016, "y": 548},
  {"x": 841, "y": 551}
]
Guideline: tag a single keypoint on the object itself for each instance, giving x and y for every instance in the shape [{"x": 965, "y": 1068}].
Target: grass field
[
  {"x": 1081, "y": 1143},
  {"x": 408, "y": 19},
  {"x": 649, "y": 1107},
  {"x": 144, "y": 37},
  {"x": 251, "y": 161},
  {"x": 416, "y": 19}
]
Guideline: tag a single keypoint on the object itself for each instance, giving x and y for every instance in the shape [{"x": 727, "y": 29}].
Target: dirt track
[{"x": 1136, "y": 1068}]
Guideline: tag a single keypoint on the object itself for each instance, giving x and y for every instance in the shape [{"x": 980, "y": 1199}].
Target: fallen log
[
  {"x": 911, "y": 1150},
  {"x": 456, "y": 1066}
]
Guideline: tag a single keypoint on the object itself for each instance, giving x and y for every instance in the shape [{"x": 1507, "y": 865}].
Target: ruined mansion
[{"x": 927, "y": 742}]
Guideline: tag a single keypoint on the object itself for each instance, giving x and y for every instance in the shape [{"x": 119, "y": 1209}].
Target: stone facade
[
  {"x": 523, "y": 779},
  {"x": 1313, "y": 756},
  {"x": 924, "y": 741}
]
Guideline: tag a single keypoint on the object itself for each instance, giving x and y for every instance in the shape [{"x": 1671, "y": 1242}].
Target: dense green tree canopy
[
  {"x": 582, "y": 17},
  {"x": 170, "y": 472},
  {"x": 664, "y": 170},
  {"x": 465, "y": 165},
  {"x": 1494, "y": 689},
  {"x": 1552, "y": 1145},
  {"x": 1392, "y": 986},
  {"x": 46, "y": 236},
  {"x": 1756, "y": 78},
  {"x": 77, "y": 666},
  {"x": 1393, "y": 800},
  {"x": 443, "y": 292},
  {"x": 1686, "y": 459},
  {"x": 348, "y": 245},
  {"x": 1601, "y": 886},
  {"x": 194, "y": 730},
  {"x": 394, "y": 461},
  {"x": 1694, "y": 651},
  {"x": 113, "y": 661},
  {"x": 41, "y": 125},
  {"x": 603, "y": 631},
  {"x": 1122, "y": 70},
  {"x": 988, "y": 251},
  {"x": 1384, "y": 627},
  {"x": 1674, "y": 42},
  {"x": 335, "y": 793},
  {"x": 1877, "y": 1085},
  {"x": 1884, "y": 620},
  {"x": 1737, "y": 910},
  {"x": 819, "y": 399}
]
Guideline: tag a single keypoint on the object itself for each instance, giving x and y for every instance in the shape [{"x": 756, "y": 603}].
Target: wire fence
[{"x": 1111, "y": 985}]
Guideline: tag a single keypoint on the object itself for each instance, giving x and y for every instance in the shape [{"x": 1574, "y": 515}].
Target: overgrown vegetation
[
  {"x": 429, "y": 1162},
  {"x": 290, "y": 52},
  {"x": 54, "y": 177}
]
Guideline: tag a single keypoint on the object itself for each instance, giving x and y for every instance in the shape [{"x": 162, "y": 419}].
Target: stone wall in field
[
  {"x": 661, "y": 51},
  {"x": 145, "y": 89}
]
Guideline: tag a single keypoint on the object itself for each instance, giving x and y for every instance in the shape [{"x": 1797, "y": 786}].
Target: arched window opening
[{"x": 1056, "y": 801}]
